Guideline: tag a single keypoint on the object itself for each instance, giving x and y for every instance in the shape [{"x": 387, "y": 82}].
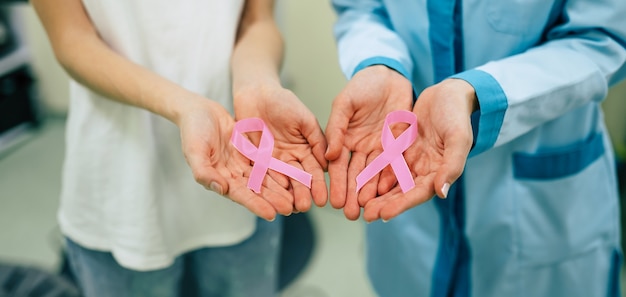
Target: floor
[{"x": 29, "y": 190}]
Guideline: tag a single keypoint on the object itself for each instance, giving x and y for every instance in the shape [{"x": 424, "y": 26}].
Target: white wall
[
  {"x": 311, "y": 65},
  {"x": 51, "y": 79}
]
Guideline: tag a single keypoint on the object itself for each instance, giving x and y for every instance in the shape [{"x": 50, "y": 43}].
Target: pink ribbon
[
  {"x": 262, "y": 156},
  {"x": 392, "y": 151}
]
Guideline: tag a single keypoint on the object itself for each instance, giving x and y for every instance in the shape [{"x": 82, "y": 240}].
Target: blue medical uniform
[{"x": 536, "y": 211}]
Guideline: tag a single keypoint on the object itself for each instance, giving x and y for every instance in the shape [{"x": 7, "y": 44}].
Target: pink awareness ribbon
[
  {"x": 392, "y": 151},
  {"x": 262, "y": 155}
]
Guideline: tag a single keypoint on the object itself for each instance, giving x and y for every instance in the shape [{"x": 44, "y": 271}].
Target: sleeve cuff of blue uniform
[
  {"x": 486, "y": 122},
  {"x": 390, "y": 63}
]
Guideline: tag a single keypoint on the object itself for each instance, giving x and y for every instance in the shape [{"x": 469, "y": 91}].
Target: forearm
[
  {"x": 258, "y": 52},
  {"x": 364, "y": 38},
  {"x": 103, "y": 71},
  {"x": 91, "y": 62}
]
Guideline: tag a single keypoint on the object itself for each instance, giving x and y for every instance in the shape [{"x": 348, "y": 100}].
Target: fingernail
[
  {"x": 272, "y": 219},
  {"x": 385, "y": 221},
  {"x": 215, "y": 187},
  {"x": 445, "y": 189}
]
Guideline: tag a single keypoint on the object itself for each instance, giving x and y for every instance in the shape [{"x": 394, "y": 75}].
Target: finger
[
  {"x": 336, "y": 128},
  {"x": 400, "y": 202},
  {"x": 454, "y": 156},
  {"x": 302, "y": 197},
  {"x": 338, "y": 172},
  {"x": 279, "y": 178},
  {"x": 281, "y": 198},
  {"x": 371, "y": 210},
  {"x": 352, "y": 209},
  {"x": 369, "y": 190},
  {"x": 207, "y": 176},
  {"x": 386, "y": 181},
  {"x": 253, "y": 202},
  {"x": 315, "y": 137},
  {"x": 319, "y": 190},
  {"x": 301, "y": 193}
]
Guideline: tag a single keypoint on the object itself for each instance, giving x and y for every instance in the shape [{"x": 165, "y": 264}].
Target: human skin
[
  {"x": 299, "y": 140},
  {"x": 436, "y": 158},
  {"x": 205, "y": 126}
]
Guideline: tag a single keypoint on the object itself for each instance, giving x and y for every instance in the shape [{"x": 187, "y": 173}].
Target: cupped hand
[
  {"x": 438, "y": 156},
  {"x": 205, "y": 128},
  {"x": 298, "y": 138},
  {"x": 354, "y": 133}
]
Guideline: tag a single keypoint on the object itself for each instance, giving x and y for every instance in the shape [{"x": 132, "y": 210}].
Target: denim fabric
[{"x": 249, "y": 268}]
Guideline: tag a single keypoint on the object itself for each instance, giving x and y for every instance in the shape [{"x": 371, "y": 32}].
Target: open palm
[
  {"x": 205, "y": 133},
  {"x": 298, "y": 139},
  {"x": 354, "y": 132},
  {"x": 437, "y": 158}
]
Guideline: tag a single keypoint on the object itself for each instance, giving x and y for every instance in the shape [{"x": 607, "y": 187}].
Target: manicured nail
[
  {"x": 215, "y": 187},
  {"x": 272, "y": 219},
  {"x": 445, "y": 189},
  {"x": 384, "y": 221}
]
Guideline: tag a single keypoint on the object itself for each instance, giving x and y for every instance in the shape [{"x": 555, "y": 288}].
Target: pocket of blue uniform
[
  {"x": 518, "y": 17},
  {"x": 565, "y": 202},
  {"x": 559, "y": 163}
]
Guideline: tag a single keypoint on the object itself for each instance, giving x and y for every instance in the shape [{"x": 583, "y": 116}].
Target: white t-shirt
[{"x": 126, "y": 186}]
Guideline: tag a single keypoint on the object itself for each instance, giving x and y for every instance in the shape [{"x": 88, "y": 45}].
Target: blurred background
[{"x": 325, "y": 250}]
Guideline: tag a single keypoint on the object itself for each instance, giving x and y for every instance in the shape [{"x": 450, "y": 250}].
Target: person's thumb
[
  {"x": 315, "y": 137},
  {"x": 336, "y": 131},
  {"x": 206, "y": 175},
  {"x": 454, "y": 156}
]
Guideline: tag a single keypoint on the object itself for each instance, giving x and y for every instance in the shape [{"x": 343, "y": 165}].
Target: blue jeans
[{"x": 246, "y": 269}]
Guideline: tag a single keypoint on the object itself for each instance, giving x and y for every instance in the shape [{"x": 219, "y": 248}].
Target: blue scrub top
[{"x": 536, "y": 211}]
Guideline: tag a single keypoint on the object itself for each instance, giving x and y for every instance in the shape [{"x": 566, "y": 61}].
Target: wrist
[
  {"x": 251, "y": 83},
  {"x": 185, "y": 105},
  {"x": 381, "y": 70},
  {"x": 246, "y": 94},
  {"x": 469, "y": 93}
]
